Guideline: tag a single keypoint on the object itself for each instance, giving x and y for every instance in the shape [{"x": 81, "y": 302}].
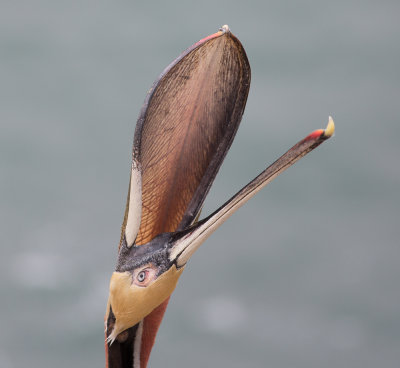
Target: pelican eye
[{"x": 144, "y": 276}]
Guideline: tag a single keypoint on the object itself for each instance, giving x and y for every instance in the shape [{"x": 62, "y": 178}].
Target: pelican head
[
  {"x": 186, "y": 126},
  {"x": 145, "y": 276}
]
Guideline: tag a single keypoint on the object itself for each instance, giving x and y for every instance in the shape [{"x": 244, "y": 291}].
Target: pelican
[{"x": 185, "y": 128}]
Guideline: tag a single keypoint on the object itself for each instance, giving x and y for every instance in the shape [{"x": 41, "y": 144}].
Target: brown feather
[{"x": 183, "y": 134}]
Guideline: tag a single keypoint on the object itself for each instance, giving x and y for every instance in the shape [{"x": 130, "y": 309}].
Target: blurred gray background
[{"x": 305, "y": 275}]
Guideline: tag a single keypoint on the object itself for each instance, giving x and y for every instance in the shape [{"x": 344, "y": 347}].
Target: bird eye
[{"x": 144, "y": 275}]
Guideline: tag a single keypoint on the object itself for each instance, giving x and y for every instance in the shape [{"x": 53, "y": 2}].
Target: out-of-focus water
[{"x": 305, "y": 275}]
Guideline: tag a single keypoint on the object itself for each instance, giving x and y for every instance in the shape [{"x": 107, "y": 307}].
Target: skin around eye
[{"x": 144, "y": 275}]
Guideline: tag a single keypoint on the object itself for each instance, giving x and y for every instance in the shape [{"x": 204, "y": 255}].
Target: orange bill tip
[
  {"x": 315, "y": 134},
  {"x": 323, "y": 133}
]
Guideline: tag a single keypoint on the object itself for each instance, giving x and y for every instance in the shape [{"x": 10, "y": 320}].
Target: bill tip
[
  {"x": 225, "y": 28},
  {"x": 330, "y": 128}
]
